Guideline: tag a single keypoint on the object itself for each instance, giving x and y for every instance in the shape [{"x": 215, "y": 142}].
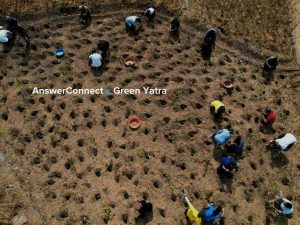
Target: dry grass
[{"x": 266, "y": 22}]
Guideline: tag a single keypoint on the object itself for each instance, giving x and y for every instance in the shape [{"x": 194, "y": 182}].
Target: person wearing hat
[
  {"x": 85, "y": 14},
  {"x": 284, "y": 142},
  {"x": 269, "y": 116},
  {"x": 217, "y": 108},
  {"x": 209, "y": 42},
  {"x": 133, "y": 23},
  {"x": 270, "y": 63},
  {"x": 150, "y": 14},
  {"x": 95, "y": 60},
  {"x": 221, "y": 137},
  {"x": 174, "y": 27}
]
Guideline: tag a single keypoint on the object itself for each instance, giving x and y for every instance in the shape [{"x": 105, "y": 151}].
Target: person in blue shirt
[
  {"x": 133, "y": 23},
  {"x": 227, "y": 165},
  {"x": 211, "y": 213},
  {"x": 237, "y": 147},
  {"x": 221, "y": 137}
]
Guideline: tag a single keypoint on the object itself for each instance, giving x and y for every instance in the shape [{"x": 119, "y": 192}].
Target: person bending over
[
  {"x": 95, "y": 60},
  {"x": 133, "y": 23},
  {"x": 150, "y": 14}
]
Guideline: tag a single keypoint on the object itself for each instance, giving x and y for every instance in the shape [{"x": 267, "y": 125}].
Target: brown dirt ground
[{"x": 170, "y": 152}]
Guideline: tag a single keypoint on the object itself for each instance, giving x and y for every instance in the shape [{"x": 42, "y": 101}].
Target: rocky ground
[{"x": 77, "y": 162}]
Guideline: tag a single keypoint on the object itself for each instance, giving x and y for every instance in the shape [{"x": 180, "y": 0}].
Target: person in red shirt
[{"x": 269, "y": 117}]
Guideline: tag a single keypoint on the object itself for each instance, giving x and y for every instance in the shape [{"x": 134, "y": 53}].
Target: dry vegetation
[{"x": 265, "y": 22}]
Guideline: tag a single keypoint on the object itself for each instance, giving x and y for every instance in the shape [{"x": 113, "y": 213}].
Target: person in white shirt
[
  {"x": 284, "y": 207},
  {"x": 150, "y": 14},
  {"x": 95, "y": 60},
  {"x": 5, "y": 36},
  {"x": 133, "y": 23},
  {"x": 284, "y": 142}
]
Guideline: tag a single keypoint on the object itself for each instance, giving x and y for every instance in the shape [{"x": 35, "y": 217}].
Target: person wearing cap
[
  {"x": 221, "y": 137},
  {"x": 103, "y": 46},
  {"x": 192, "y": 213},
  {"x": 211, "y": 213},
  {"x": 269, "y": 116},
  {"x": 236, "y": 147},
  {"x": 174, "y": 26},
  {"x": 270, "y": 63},
  {"x": 133, "y": 23},
  {"x": 209, "y": 42},
  {"x": 150, "y": 14},
  {"x": 284, "y": 142},
  {"x": 284, "y": 207},
  {"x": 85, "y": 14},
  {"x": 95, "y": 60},
  {"x": 217, "y": 108}
]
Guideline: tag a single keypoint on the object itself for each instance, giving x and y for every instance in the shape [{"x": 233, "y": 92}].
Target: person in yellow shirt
[
  {"x": 192, "y": 213},
  {"x": 217, "y": 108}
]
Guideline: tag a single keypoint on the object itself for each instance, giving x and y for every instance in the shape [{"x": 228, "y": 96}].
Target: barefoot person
[
  {"x": 217, "y": 108},
  {"x": 85, "y": 14},
  {"x": 95, "y": 60},
  {"x": 284, "y": 142},
  {"x": 150, "y": 14},
  {"x": 133, "y": 23}
]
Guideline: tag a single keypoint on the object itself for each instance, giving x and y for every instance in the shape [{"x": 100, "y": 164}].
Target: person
[
  {"x": 269, "y": 116},
  {"x": 192, "y": 213},
  {"x": 283, "y": 206},
  {"x": 237, "y": 146},
  {"x": 209, "y": 42},
  {"x": 227, "y": 165},
  {"x": 211, "y": 213},
  {"x": 12, "y": 25},
  {"x": 150, "y": 14},
  {"x": 270, "y": 63},
  {"x": 221, "y": 137},
  {"x": 103, "y": 46},
  {"x": 95, "y": 60},
  {"x": 218, "y": 108},
  {"x": 133, "y": 23},
  {"x": 6, "y": 36},
  {"x": 284, "y": 142},
  {"x": 85, "y": 14},
  {"x": 144, "y": 208},
  {"x": 175, "y": 24}
]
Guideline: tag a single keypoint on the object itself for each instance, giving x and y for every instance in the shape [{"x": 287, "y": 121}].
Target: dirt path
[{"x": 297, "y": 30}]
